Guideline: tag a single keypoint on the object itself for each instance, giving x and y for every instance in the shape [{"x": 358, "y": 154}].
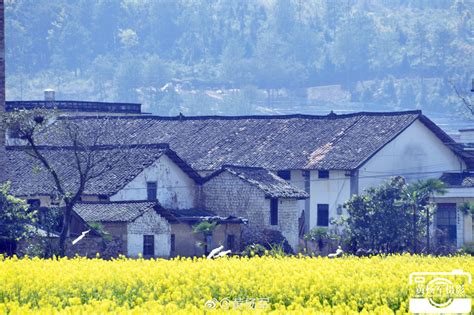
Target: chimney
[
  {"x": 49, "y": 95},
  {"x": 467, "y": 135}
]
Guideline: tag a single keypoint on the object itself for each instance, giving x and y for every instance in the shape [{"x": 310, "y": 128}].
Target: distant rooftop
[{"x": 77, "y": 106}]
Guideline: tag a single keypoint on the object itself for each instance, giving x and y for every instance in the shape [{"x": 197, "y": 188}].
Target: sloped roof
[
  {"x": 29, "y": 177},
  {"x": 129, "y": 211},
  {"x": 271, "y": 184},
  {"x": 465, "y": 179},
  {"x": 195, "y": 215},
  {"x": 273, "y": 142},
  {"x": 118, "y": 211}
]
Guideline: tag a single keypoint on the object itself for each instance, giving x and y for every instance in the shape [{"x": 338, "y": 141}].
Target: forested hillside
[{"x": 236, "y": 57}]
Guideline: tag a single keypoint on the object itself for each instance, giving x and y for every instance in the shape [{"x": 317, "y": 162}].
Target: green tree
[
  {"x": 14, "y": 215},
  {"x": 418, "y": 195},
  {"x": 206, "y": 228},
  {"x": 369, "y": 214}
]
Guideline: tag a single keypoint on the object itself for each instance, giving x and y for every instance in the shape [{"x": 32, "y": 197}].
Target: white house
[
  {"x": 329, "y": 157},
  {"x": 149, "y": 200}
]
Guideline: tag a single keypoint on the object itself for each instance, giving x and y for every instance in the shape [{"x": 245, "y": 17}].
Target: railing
[{"x": 76, "y": 106}]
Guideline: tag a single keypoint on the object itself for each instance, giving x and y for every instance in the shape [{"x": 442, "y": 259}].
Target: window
[
  {"x": 173, "y": 242},
  {"x": 34, "y": 204},
  {"x": 323, "y": 214},
  {"x": 274, "y": 211},
  {"x": 151, "y": 190},
  {"x": 230, "y": 241},
  {"x": 323, "y": 174},
  {"x": 286, "y": 175},
  {"x": 148, "y": 245},
  {"x": 446, "y": 219}
]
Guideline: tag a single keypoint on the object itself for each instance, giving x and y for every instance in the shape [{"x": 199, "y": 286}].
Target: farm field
[{"x": 235, "y": 285}]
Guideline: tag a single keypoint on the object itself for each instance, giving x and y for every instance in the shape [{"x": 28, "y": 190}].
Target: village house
[
  {"x": 328, "y": 157},
  {"x": 151, "y": 201},
  {"x": 247, "y": 190}
]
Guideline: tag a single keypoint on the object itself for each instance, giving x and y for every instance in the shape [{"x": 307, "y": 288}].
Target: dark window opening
[
  {"x": 7, "y": 246},
  {"x": 148, "y": 245},
  {"x": 323, "y": 215},
  {"x": 151, "y": 190},
  {"x": 173, "y": 242},
  {"x": 14, "y": 131},
  {"x": 446, "y": 220},
  {"x": 33, "y": 204},
  {"x": 274, "y": 211},
  {"x": 286, "y": 175},
  {"x": 323, "y": 174},
  {"x": 230, "y": 242}
]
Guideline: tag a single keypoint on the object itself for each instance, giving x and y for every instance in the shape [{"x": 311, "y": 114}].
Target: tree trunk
[
  {"x": 65, "y": 230},
  {"x": 427, "y": 230},
  {"x": 414, "y": 231}
]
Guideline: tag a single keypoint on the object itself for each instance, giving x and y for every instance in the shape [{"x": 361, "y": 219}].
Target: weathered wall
[
  {"x": 227, "y": 195},
  {"x": 187, "y": 242},
  {"x": 175, "y": 189},
  {"x": 416, "y": 154},
  {"x": 333, "y": 191},
  {"x": 88, "y": 198},
  {"x": 150, "y": 223},
  {"x": 118, "y": 230}
]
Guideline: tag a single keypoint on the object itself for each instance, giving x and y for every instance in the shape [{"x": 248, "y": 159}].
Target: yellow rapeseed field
[{"x": 299, "y": 285}]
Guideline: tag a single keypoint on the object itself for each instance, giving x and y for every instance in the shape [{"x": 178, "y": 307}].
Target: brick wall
[
  {"x": 226, "y": 194},
  {"x": 150, "y": 223}
]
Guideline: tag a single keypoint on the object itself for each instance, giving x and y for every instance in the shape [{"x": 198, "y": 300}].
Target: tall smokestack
[
  {"x": 2, "y": 91},
  {"x": 2, "y": 57}
]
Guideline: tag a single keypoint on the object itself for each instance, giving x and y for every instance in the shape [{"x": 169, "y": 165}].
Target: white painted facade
[
  {"x": 416, "y": 153},
  {"x": 175, "y": 189}
]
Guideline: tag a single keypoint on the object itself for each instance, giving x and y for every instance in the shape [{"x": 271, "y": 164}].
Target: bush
[{"x": 267, "y": 238}]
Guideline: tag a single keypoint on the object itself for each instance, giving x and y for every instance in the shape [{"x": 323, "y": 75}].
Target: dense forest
[{"x": 240, "y": 57}]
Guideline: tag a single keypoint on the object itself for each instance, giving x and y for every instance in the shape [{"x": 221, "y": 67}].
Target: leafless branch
[{"x": 467, "y": 102}]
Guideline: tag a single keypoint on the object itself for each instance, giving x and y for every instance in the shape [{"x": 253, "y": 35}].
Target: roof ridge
[
  {"x": 237, "y": 117},
  {"x": 104, "y": 202},
  {"x": 164, "y": 146},
  {"x": 67, "y": 101},
  {"x": 245, "y": 167}
]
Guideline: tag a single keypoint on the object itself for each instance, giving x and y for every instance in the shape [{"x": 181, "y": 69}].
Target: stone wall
[
  {"x": 150, "y": 223},
  {"x": 226, "y": 194}
]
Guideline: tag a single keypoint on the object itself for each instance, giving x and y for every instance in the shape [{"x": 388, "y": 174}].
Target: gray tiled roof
[
  {"x": 29, "y": 177},
  {"x": 128, "y": 211},
  {"x": 465, "y": 179},
  {"x": 272, "y": 185},
  {"x": 119, "y": 211},
  {"x": 272, "y": 142}
]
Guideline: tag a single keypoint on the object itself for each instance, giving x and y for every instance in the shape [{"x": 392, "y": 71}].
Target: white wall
[
  {"x": 297, "y": 180},
  {"x": 175, "y": 188},
  {"x": 415, "y": 154},
  {"x": 334, "y": 191},
  {"x": 150, "y": 223}
]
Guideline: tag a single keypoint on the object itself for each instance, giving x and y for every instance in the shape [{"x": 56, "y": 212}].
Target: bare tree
[
  {"x": 464, "y": 96},
  {"x": 82, "y": 159}
]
